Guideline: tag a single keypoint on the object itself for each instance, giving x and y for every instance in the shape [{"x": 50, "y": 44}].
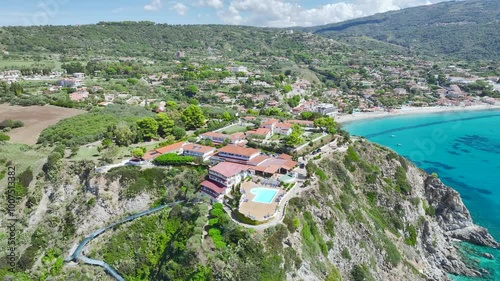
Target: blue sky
[{"x": 276, "y": 13}]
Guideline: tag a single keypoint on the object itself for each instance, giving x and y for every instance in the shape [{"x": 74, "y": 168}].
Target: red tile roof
[
  {"x": 285, "y": 156},
  {"x": 259, "y": 159},
  {"x": 243, "y": 151},
  {"x": 284, "y": 125},
  {"x": 238, "y": 136},
  {"x": 259, "y": 131},
  {"x": 228, "y": 169},
  {"x": 170, "y": 148},
  {"x": 151, "y": 155},
  {"x": 270, "y": 122},
  {"x": 213, "y": 186}
]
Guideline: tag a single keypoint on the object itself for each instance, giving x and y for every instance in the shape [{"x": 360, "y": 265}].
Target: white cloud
[
  {"x": 217, "y": 4},
  {"x": 180, "y": 8},
  {"x": 155, "y": 5},
  {"x": 283, "y": 13}
]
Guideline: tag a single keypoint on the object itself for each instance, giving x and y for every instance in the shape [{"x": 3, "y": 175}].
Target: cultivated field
[{"x": 35, "y": 118}]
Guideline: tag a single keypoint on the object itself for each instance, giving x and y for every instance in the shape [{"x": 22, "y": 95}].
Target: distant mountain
[{"x": 461, "y": 29}]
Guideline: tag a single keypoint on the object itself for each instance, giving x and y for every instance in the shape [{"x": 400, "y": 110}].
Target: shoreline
[{"x": 406, "y": 111}]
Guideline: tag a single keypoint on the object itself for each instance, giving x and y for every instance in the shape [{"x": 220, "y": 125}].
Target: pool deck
[{"x": 258, "y": 210}]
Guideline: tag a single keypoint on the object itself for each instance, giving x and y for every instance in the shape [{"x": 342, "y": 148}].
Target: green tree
[
  {"x": 132, "y": 81},
  {"x": 165, "y": 124},
  {"x": 138, "y": 152},
  {"x": 326, "y": 124},
  {"x": 124, "y": 135},
  {"x": 295, "y": 138},
  {"x": 287, "y": 88},
  {"x": 193, "y": 117},
  {"x": 306, "y": 115},
  {"x": 226, "y": 116},
  {"x": 178, "y": 133},
  {"x": 191, "y": 90},
  {"x": 110, "y": 154},
  {"x": 148, "y": 127}
]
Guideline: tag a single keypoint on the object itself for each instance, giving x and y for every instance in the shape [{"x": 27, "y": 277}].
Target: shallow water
[{"x": 463, "y": 148}]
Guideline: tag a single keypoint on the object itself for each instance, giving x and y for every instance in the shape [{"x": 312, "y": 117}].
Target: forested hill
[
  {"x": 146, "y": 39},
  {"x": 462, "y": 29}
]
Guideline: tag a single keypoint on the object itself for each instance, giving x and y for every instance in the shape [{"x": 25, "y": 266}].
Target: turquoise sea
[{"x": 463, "y": 148}]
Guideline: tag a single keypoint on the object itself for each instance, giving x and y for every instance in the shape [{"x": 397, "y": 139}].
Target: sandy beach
[{"x": 411, "y": 111}]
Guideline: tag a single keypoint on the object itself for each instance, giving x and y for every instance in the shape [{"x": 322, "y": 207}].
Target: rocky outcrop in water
[{"x": 452, "y": 215}]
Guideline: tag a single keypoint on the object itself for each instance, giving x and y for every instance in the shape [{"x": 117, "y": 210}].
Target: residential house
[
  {"x": 230, "y": 81},
  {"x": 173, "y": 148},
  {"x": 221, "y": 138},
  {"x": 228, "y": 174},
  {"x": 238, "y": 153},
  {"x": 283, "y": 129},
  {"x": 214, "y": 137},
  {"x": 79, "y": 75},
  {"x": 70, "y": 83},
  {"x": 214, "y": 190},
  {"x": 269, "y": 124},
  {"x": 79, "y": 95},
  {"x": 237, "y": 69},
  {"x": 198, "y": 151},
  {"x": 326, "y": 109},
  {"x": 261, "y": 133}
]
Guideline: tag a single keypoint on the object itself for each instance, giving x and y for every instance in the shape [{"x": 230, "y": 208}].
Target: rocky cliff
[
  {"x": 384, "y": 219},
  {"x": 368, "y": 215}
]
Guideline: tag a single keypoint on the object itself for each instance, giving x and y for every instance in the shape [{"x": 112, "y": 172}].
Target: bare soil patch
[{"x": 35, "y": 118}]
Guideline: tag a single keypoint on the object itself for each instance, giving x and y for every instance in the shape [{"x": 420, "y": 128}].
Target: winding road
[{"x": 77, "y": 253}]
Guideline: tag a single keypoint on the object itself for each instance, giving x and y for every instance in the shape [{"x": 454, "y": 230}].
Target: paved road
[{"x": 77, "y": 253}]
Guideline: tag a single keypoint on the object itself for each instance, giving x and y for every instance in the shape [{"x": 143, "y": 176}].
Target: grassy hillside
[
  {"x": 144, "y": 39},
  {"x": 465, "y": 29}
]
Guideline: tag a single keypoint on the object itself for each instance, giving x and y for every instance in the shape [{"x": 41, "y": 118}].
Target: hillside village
[
  {"x": 212, "y": 133},
  {"x": 361, "y": 88}
]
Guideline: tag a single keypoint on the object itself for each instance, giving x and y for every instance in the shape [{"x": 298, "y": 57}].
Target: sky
[{"x": 267, "y": 13}]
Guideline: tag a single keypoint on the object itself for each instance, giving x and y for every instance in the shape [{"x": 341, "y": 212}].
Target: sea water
[{"x": 463, "y": 148}]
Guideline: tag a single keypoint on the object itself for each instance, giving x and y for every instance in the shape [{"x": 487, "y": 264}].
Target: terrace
[{"x": 252, "y": 208}]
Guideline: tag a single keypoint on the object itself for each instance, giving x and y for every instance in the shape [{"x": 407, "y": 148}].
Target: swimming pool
[{"x": 264, "y": 195}]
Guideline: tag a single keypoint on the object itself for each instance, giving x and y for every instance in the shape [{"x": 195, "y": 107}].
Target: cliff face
[
  {"x": 452, "y": 215},
  {"x": 368, "y": 215},
  {"x": 383, "y": 218}
]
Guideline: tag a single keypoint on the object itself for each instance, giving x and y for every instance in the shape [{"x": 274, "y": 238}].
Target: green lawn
[
  {"x": 313, "y": 136},
  {"x": 234, "y": 129},
  {"x": 22, "y": 156}
]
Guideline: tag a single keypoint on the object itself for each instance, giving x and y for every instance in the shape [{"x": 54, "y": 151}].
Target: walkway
[
  {"x": 77, "y": 253},
  {"x": 106, "y": 168}
]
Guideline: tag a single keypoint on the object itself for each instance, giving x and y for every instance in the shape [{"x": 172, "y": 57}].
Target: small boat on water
[
  {"x": 393, "y": 136},
  {"x": 399, "y": 144}
]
